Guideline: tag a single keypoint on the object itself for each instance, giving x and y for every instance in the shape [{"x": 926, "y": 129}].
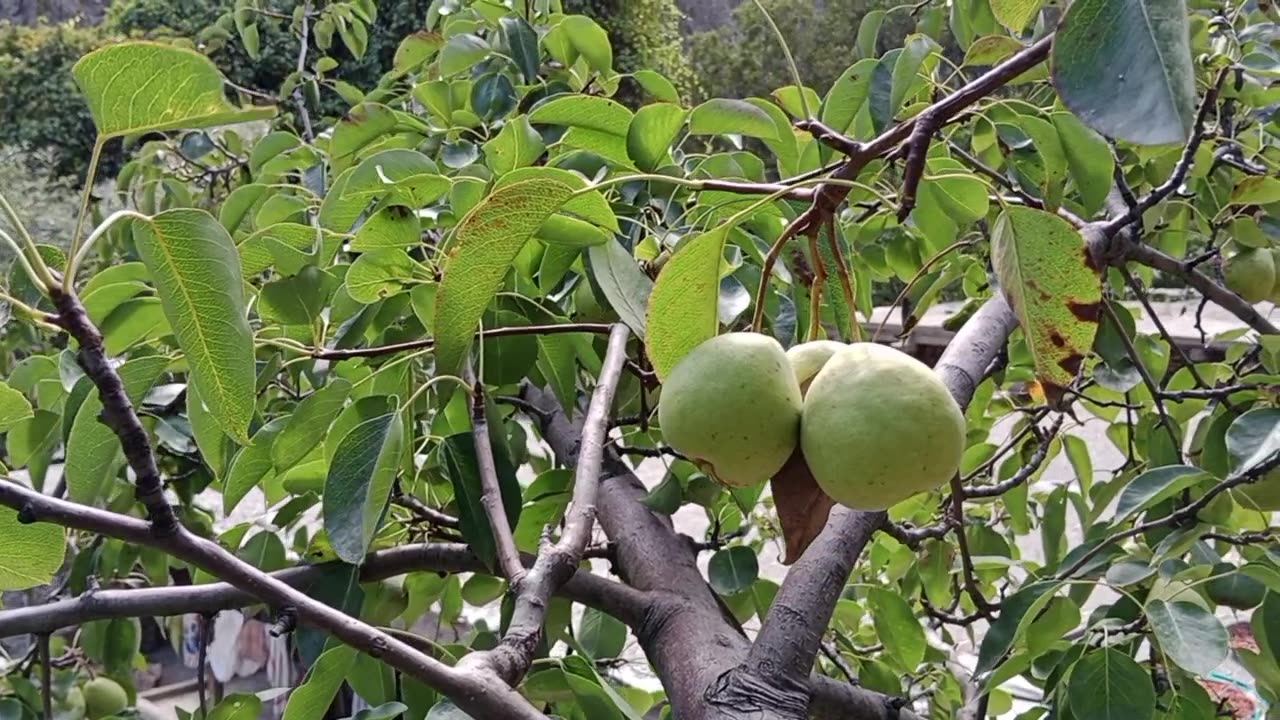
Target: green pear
[
  {"x": 808, "y": 358},
  {"x": 103, "y": 697},
  {"x": 878, "y": 427},
  {"x": 1250, "y": 273},
  {"x": 732, "y": 406}
]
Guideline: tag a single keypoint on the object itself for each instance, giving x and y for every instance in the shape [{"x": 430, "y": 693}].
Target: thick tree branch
[
  {"x": 476, "y": 692},
  {"x": 614, "y": 598},
  {"x": 558, "y": 562}
]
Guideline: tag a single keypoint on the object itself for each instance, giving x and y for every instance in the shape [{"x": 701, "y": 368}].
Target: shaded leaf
[
  {"x": 1154, "y": 486},
  {"x": 251, "y": 464},
  {"x": 1109, "y": 685},
  {"x": 307, "y": 425},
  {"x": 312, "y": 698},
  {"x": 459, "y": 456},
  {"x": 623, "y": 284},
  {"x": 1190, "y": 635},
  {"x": 359, "y": 483},
  {"x": 732, "y": 570},
  {"x": 1132, "y": 49}
]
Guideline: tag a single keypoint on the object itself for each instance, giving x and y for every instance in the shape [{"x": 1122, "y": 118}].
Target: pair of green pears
[{"x": 875, "y": 425}]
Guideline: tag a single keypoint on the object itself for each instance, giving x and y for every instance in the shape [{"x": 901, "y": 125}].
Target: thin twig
[{"x": 491, "y": 490}]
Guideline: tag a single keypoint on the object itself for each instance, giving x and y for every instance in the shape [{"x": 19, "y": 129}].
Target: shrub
[
  {"x": 742, "y": 59},
  {"x": 644, "y": 34},
  {"x": 40, "y": 107}
]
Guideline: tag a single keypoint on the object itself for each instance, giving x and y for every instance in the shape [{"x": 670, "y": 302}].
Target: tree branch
[
  {"x": 491, "y": 492},
  {"x": 557, "y": 563},
  {"x": 624, "y": 603},
  {"x": 479, "y": 694},
  {"x": 1227, "y": 300}
]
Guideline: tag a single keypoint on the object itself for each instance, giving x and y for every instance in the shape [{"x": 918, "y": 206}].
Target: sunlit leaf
[{"x": 134, "y": 87}]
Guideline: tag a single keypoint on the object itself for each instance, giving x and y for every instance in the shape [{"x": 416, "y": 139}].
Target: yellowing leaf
[
  {"x": 682, "y": 307},
  {"x": 196, "y": 269},
  {"x": 139, "y": 86},
  {"x": 31, "y": 552},
  {"x": 1044, "y": 270},
  {"x": 487, "y": 241}
]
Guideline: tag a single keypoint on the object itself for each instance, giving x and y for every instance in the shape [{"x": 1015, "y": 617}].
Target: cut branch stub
[{"x": 1046, "y": 273}]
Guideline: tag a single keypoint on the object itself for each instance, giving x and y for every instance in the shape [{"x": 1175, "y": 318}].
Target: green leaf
[
  {"x": 251, "y": 464},
  {"x": 569, "y": 232},
  {"x": 459, "y": 456},
  {"x": 1015, "y": 14},
  {"x": 733, "y": 570},
  {"x": 591, "y": 41},
  {"x": 312, "y": 698},
  {"x": 1089, "y": 158},
  {"x": 359, "y": 483},
  {"x": 484, "y": 246},
  {"x": 297, "y": 300},
  {"x": 394, "y": 226},
  {"x": 517, "y": 145},
  {"x": 683, "y": 306},
  {"x": 1154, "y": 486},
  {"x": 362, "y": 125},
  {"x": 1190, "y": 635},
  {"x": 1258, "y": 190},
  {"x": 522, "y": 45},
  {"x": 14, "y": 407},
  {"x": 1044, "y": 271},
  {"x": 240, "y": 706},
  {"x": 307, "y": 425},
  {"x": 897, "y": 628},
  {"x": 1253, "y": 438},
  {"x": 1109, "y": 685},
  {"x": 601, "y": 635},
  {"x": 197, "y": 274},
  {"x": 596, "y": 124},
  {"x": 135, "y": 87},
  {"x": 93, "y": 450},
  {"x": 31, "y": 552},
  {"x": 461, "y": 53},
  {"x": 1006, "y": 629},
  {"x": 731, "y": 117},
  {"x": 848, "y": 94},
  {"x": 652, "y": 130},
  {"x": 377, "y": 274},
  {"x": 624, "y": 285},
  {"x": 907, "y": 69},
  {"x": 113, "y": 643},
  {"x": 658, "y": 86},
  {"x": 869, "y": 33},
  {"x": 214, "y": 444},
  {"x": 1137, "y": 50}
]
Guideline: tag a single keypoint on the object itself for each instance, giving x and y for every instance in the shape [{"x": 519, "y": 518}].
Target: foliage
[
  {"x": 399, "y": 327},
  {"x": 645, "y": 35},
  {"x": 41, "y": 111},
  {"x": 740, "y": 59}
]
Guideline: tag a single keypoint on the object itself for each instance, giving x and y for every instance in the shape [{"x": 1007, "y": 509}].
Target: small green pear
[
  {"x": 103, "y": 697},
  {"x": 808, "y": 358},
  {"x": 1250, "y": 273},
  {"x": 878, "y": 427},
  {"x": 732, "y": 405}
]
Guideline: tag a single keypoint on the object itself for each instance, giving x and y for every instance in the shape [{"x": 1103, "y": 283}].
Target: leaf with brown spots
[
  {"x": 483, "y": 248},
  {"x": 1044, "y": 270},
  {"x": 802, "y": 506}
]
